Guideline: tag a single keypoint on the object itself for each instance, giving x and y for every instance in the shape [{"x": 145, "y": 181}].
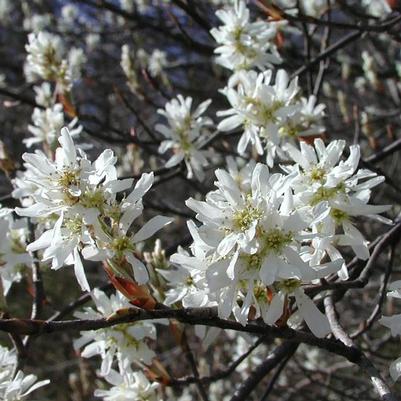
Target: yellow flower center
[{"x": 275, "y": 240}]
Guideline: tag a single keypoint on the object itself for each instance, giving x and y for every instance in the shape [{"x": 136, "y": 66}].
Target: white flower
[
  {"x": 129, "y": 68},
  {"x": 47, "y": 59},
  {"x": 187, "y": 281},
  {"x": 229, "y": 215},
  {"x": 44, "y": 96},
  {"x": 48, "y": 123},
  {"x": 92, "y": 40},
  {"x": 316, "y": 320},
  {"x": 184, "y": 134},
  {"x": 44, "y": 54},
  {"x": 120, "y": 243},
  {"x": 20, "y": 387},
  {"x": 157, "y": 62},
  {"x": 62, "y": 244},
  {"x": 260, "y": 108},
  {"x": 336, "y": 191},
  {"x": 83, "y": 194},
  {"x": 313, "y": 8},
  {"x": 37, "y": 22},
  {"x": 13, "y": 255},
  {"x": 76, "y": 59},
  {"x": 8, "y": 359},
  {"x": 252, "y": 243},
  {"x": 69, "y": 13},
  {"x": 124, "y": 342},
  {"x": 15, "y": 387},
  {"x": 377, "y": 8},
  {"x": 128, "y": 386},
  {"x": 305, "y": 121},
  {"x": 70, "y": 180},
  {"x": 244, "y": 44}
]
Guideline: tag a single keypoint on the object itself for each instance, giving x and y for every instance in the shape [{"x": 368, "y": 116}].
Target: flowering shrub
[{"x": 211, "y": 172}]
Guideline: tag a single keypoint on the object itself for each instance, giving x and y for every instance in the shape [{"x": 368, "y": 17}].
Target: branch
[
  {"x": 219, "y": 374},
  {"x": 344, "y": 41},
  {"x": 381, "y": 387},
  {"x": 385, "y": 152},
  {"x": 192, "y": 363},
  {"x": 193, "y": 316},
  {"x": 360, "y": 276},
  {"x": 282, "y": 352}
]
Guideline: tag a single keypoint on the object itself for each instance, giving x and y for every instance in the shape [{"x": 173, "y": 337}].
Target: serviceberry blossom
[
  {"x": 187, "y": 282},
  {"x": 15, "y": 386},
  {"x": 336, "y": 192},
  {"x": 48, "y": 60},
  {"x": 128, "y": 66},
  {"x": 122, "y": 243},
  {"x": 37, "y": 22},
  {"x": 45, "y": 53},
  {"x": 185, "y": 133},
  {"x": 76, "y": 60},
  {"x": 128, "y": 386},
  {"x": 377, "y": 8},
  {"x": 269, "y": 114},
  {"x": 47, "y": 124},
  {"x": 124, "y": 343},
  {"x": 244, "y": 44},
  {"x": 264, "y": 236},
  {"x": 43, "y": 94},
  {"x": 312, "y": 8},
  {"x": 79, "y": 198},
  {"x": 13, "y": 255},
  {"x": 157, "y": 62},
  {"x": 256, "y": 247}
]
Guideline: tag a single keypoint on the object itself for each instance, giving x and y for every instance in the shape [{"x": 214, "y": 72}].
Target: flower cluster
[
  {"x": 48, "y": 60},
  {"x": 244, "y": 44},
  {"x": 263, "y": 236},
  {"x": 131, "y": 62},
  {"x": 313, "y": 8},
  {"x": 128, "y": 66},
  {"x": 185, "y": 134},
  {"x": 47, "y": 124},
  {"x": 268, "y": 113},
  {"x": 15, "y": 386},
  {"x": 78, "y": 198},
  {"x": 128, "y": 386},
  {"x": 264, "y": 239},
  {"x": 124, "y": 343}
]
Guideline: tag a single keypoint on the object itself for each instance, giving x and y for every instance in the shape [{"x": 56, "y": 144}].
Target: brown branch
[
  {"x": 343, "y": 42},
  {"x": 381, "y": 387},
  {"x": 222, "y": 373},
  {"x": 192, "y": 316},
  {"x": 385, "y": 152},
  {"x": 368, "y": 323},
  {"x": 280, "y": 353},
  {"x": 192, "y": 363}
]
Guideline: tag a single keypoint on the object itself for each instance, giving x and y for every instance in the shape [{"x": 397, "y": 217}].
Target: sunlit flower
[
  {"x": 185, "y": 133},
  {"x": 125, "y": 343}
]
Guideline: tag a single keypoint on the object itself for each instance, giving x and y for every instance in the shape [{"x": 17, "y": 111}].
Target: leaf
[
  {"x": 157, "y": 372},
  {"x": 138, "y": 295},
  {"x": 65, "y": 100}
]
